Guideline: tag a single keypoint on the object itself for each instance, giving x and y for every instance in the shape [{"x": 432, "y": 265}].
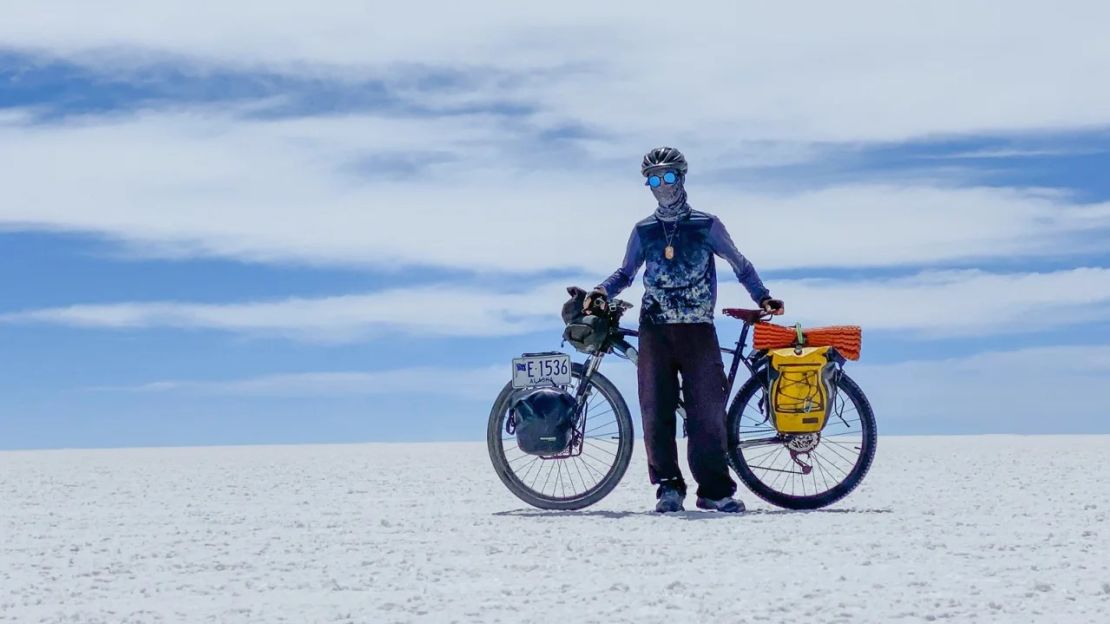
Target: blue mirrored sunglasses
[{"x": 669, "y": 177}]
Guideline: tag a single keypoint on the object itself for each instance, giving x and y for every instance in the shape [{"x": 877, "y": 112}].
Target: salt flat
[{"x": 983, "y": 529}]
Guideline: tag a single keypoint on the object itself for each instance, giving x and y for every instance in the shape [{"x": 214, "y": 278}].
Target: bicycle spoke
[
  {"x": 828, "y": 469},
  {"x": 838, "y": 442},
  {"x": 756, "y": 458},
  {"x": 522, "y": 457},
  {"x": 601, "y": 428},
  {"x": 756, "y": 421},
  {"x": 611, "y": 439},
  {"x": 603, "y": 442},
  {"x": 832, "y": 464},
  {"x": 590, "y": 414},
  {"x": 548, "y": 470},
  {"x": 832, "y": 449},
  {"x": 556, "y": 475},
  {"x": 594, "y": 396},
  {"x": 814, "y": 473},
  {"x": 591, "y": 469},
  {"x": 604, "y": 424},
  {"x": 530, "y": 467},
  {"x": 601, "y": 460},
  {"x": 536, "y": 477},
  {"x": 838, "y": 430},
  {"x": 779, "y": 477},
  {"x": 773, "y": 463},
  {"x": 824, "y": 475},
  {"x": 581, "y": 486},
  {"x": 753, "y": 432},
  {"x": 607, "y": 449},
  {"x": 854, "y": 432},
  {"x": 579, "y": 471}
]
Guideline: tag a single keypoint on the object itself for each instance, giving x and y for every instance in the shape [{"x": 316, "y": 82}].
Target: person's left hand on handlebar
[{"x": 772, "y": 306}]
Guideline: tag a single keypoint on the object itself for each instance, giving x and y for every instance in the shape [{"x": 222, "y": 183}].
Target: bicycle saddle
[{"x": 748, "y": 316}]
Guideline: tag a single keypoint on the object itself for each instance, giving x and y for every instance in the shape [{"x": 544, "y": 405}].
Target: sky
[{"x": 262, "y": 223}]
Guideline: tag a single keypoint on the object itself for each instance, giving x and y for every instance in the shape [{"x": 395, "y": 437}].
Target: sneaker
[
  {"x": 670, "y": 499},
  {"x": 726, "y": 505}
]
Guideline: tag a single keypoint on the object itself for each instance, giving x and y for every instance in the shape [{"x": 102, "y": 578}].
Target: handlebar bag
[
  {"x": 587, "y": 335},
  {"x": 585, "y": 332},
  {"x": 801, "y": 389},
  {"x": 544, "y": 420}
]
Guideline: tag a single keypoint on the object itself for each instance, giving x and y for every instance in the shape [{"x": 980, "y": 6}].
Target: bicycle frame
[{"x": 754, "y": 361}]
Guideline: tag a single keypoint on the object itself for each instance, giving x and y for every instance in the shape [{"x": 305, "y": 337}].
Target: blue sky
[{"x": 306, "y": 226}]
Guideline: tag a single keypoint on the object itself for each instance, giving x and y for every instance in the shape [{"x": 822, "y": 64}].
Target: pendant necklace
[{"x": 668, "y": 251}]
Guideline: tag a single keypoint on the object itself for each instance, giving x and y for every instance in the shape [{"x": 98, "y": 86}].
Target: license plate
[{"x": 540, "y": 369}]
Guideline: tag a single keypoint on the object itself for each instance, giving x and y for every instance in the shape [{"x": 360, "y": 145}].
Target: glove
[
  {"x": 597, "y": 295},
  {"x": 772, "y": 306}
]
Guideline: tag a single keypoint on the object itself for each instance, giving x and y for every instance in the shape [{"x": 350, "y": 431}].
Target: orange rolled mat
[{"x": 847, "y": 339}]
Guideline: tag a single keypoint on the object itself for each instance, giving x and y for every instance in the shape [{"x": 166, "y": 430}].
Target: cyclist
[{"x": 677, "y": 335}]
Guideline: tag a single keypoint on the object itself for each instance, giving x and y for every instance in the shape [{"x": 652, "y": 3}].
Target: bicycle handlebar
[{"x": 602, "y": 306}]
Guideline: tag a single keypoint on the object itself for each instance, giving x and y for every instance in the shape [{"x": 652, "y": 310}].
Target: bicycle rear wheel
[
  {"x": 580, "y": 479},
  {"x": 802, "y": 471}
]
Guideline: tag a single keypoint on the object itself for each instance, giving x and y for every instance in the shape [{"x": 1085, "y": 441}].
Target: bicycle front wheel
[
  {"x": 583, "y": 476},
  {"x": 801, "y": 471}
]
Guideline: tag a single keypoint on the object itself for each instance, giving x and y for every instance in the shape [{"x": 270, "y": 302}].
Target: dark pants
[{"x": 690, "y": 350}]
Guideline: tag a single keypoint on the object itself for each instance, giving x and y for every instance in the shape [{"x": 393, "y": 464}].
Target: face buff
[{"x": 672, "y": 201}]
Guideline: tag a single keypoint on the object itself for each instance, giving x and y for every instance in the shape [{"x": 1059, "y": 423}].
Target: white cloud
[
  {"x": 949, "y": 303},
  {"x": 481, "y": 383},
  {"x": 925, "y": 305},
  {"x": 1037, "y": 390},
  {"x": 213, "y": 184},
  {"x": 1019, "y": 152},
  {"x": 739, "y": 86},
  {"x": 861, "y": 70},
  {"x": 437, "y": 310}
]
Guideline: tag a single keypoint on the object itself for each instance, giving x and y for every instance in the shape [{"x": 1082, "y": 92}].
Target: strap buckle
[{"x": 800, "y": 341}]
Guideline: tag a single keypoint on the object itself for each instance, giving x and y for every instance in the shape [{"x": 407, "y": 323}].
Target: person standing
[{"x": 677, "y": 336}]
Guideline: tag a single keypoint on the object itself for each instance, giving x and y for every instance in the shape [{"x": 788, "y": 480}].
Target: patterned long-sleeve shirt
[{"x": 684, "y": 288}]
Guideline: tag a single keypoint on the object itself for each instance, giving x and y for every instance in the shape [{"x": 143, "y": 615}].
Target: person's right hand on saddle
[
  {"x": 596, "y": 297},
  {"x": 772, "y": 306}
]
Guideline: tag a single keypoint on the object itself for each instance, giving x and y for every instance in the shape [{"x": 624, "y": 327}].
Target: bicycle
[{"x": 776, "y": 467}]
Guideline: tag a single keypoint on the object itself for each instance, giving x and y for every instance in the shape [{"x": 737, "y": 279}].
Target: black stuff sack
[{"x": 544, "y": 419}]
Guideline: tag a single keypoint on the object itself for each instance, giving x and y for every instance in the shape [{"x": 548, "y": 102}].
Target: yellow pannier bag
[{"x": 800, "y": 389}]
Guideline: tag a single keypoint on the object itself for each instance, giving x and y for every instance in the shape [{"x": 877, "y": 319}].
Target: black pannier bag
[
  {"x": 544, "y": 420},
  {"x": 585, "y": 332}
]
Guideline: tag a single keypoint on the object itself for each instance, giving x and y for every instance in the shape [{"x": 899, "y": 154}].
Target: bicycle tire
[
  {"x": 844, "y": 384},
  {"x": 592, "y": 495}
]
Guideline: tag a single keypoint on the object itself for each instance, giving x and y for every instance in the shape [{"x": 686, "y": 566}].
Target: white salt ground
[{"x": 964, "y": 529}]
